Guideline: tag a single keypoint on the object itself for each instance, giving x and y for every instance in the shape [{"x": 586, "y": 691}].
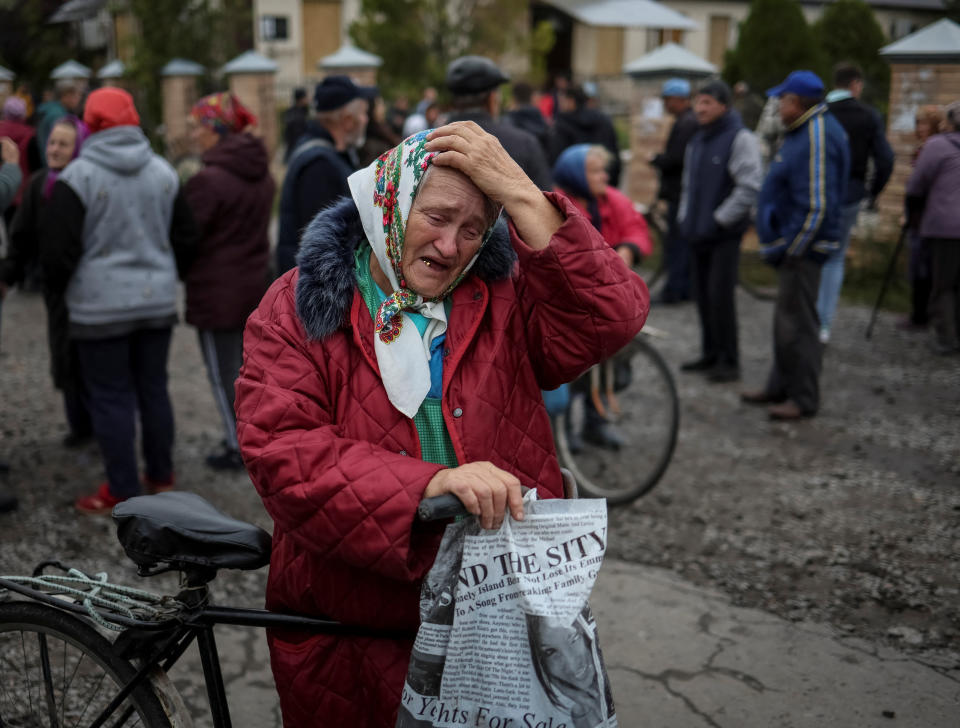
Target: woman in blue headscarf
[{"x": 580, "y": 174}]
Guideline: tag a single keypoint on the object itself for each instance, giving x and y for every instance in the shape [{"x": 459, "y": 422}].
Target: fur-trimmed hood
[{"x": 326, "y": 261}]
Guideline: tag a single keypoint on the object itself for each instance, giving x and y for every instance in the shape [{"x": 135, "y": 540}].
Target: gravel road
[{"x": 851, "y": 518}]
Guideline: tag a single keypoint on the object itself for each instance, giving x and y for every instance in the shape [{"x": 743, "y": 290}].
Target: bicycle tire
[
  {"x": 650, "y": 423},
  {"x": 58, "y": 670}
]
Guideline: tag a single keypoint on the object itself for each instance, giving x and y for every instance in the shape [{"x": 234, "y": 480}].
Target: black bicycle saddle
[{"x": 180, "y": 528}]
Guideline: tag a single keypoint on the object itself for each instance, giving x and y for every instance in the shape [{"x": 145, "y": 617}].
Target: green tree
[
  {"x": 29, "y": 45},
  {"x": 774, "y": 40},
  {"x": 418, "y": 38},
  {"x": 848, "y": 31},
  {"x": 207, "y": 32}
]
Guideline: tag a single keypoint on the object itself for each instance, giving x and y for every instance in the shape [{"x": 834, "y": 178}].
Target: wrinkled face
[
  {"x": 202, "y": 136},
  {"x": 597, "y": 177},
  {"x": 708, "y": 109},
  {"x": 566, "y": 656},
  {"x": 60, "y": 145},
  {"x": 790, "y": 108},
  {"x": 445, "y": 229},
  {"x": 355, "y": 122}
]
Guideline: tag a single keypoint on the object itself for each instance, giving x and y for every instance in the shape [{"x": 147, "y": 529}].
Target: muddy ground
[{"x": 851, "y": 518}]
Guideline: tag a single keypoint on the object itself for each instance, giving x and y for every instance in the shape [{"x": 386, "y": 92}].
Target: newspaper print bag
[{"x": 507, "y": 639}]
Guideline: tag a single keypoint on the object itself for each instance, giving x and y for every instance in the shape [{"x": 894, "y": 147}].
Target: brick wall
[
  {"x": 911, "y": 86},
  {"x": 256, "y": 92},
  {"x": 179, "y": 96}
]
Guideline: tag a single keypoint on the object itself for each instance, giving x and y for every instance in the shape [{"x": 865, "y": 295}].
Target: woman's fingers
[{"x": 485, "y": 490}]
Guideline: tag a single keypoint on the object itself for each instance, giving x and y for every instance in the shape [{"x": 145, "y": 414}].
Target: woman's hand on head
[
  {"x": 485, "y": 490},
  {"x": 464, "y": 146}
]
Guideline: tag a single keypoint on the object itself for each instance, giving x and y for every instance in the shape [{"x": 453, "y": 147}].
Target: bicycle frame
[{"x": 159, "y": 645}]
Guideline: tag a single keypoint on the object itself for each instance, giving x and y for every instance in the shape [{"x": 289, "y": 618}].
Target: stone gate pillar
[
  {"x": 252, "y": 79},
  {"x": 179, "y": 95}
]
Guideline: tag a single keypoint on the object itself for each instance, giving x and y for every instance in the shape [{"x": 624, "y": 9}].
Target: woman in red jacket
[
  {"x": 402, "y": 359},
  {"x": 580, "y": 174}
]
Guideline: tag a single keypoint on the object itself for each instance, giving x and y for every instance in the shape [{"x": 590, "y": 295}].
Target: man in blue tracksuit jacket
[{"x": 798, "y": 223}]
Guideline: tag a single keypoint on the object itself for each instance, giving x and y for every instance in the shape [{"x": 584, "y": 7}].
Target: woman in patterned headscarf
[
  {"x": 403, "y": 358},
  {"x": 231, "y": 199}
]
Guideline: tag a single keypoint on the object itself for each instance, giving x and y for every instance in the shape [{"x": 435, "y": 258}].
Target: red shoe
[
  {"x": 152, "y": 487},
  {"x": 99, "y": 503}
]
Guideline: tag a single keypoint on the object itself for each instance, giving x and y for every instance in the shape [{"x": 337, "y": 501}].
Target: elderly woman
[
  {"x": 27, "y": 240},
  {"x": 928, "y": 122},
  {"x": 231, "y": 199},
  {"x": 933, "y": 197},
  {"x": 580, "y": 173},
  {"x": 403, "y": 359}
]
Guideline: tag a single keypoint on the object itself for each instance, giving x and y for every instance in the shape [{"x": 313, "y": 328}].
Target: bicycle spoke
[{"x": 47, "y": 680}]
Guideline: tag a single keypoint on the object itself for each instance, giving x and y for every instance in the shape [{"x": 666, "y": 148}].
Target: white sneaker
[{"x": 824, "y": 336}]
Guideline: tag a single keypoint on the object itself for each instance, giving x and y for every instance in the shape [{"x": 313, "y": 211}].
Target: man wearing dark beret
[
  {"x": 474, "y": 83},
  {"x": 321, "y": 161}
]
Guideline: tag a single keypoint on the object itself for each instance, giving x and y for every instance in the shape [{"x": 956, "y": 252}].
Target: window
[{"x": 273, "y": 27}]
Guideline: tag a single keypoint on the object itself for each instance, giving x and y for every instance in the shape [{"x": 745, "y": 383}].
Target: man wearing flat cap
[
  {"x": 474, "y": 84},
  {"x": 676, "y": 102},
  {"x": 321, "y": 161},
  {"x": 721, "y": 176},
  {"x": 799, "y": 224}
]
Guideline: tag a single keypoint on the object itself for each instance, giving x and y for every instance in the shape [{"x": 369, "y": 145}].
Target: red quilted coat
[{"x": 338, "y": 467}]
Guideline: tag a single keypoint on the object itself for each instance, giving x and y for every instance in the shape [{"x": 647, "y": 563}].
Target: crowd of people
[
  {"x": 816, "y": 161},
  {"x": 435, "y": 272}
]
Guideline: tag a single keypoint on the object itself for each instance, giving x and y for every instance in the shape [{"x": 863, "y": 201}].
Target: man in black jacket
[
  {"x": 295, "y": 121},
  {"x": 326, "y": 155},
  {"x": 721, "y": 177},
  {"x": 524, "y": 115},
  {"x": 474, "y": 82},
  {"x": 676, "y": 101},
  {"x": 577, "y": 123},
  {"x": 865, "y": 133}
]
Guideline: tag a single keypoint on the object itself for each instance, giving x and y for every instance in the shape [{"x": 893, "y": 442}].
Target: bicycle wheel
[
  {"x": 58, "y": 671},
  {"x": 648, "y": 420}
]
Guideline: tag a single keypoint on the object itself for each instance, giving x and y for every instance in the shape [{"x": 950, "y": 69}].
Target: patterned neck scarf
[
  {"x": 223, "y": 113},
  {"x": 384, "y": 193}
]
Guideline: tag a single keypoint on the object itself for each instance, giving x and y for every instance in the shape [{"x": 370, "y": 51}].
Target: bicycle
[
  {"x": 60, "y": 669},
  {"x": 636, "y": 391}
]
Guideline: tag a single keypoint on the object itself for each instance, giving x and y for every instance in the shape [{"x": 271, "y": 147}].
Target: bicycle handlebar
[{"x": 440, "y": 507}]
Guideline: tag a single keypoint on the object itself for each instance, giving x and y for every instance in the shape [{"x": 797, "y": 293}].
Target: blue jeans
[{"x": 831, "y": 276}]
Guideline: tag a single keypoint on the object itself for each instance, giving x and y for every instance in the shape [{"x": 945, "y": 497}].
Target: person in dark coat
[
  {"x": 120, "y": 233},
  {"x": 231, "y": 199},
  {"x": 721, "y": 176},
  {"x": 676, "y": 100},
  {"x": 577, "y": 123},
  {"x": 27, "y": 239},
  {"x": 868, "y": 143},
  {"x": 323, "y": 159},
  {"x": 523, "y": 114},
  {"x": 474, "y": 82},
  {"x": 295, "y": 121}
]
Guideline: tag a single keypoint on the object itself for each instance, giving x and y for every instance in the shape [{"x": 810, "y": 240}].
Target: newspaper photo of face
[{"x": 568, "y": 664}]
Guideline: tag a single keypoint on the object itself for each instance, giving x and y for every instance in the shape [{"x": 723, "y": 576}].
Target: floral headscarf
[
  {"x": 383, "y": 193},
  {"x": 223, "y": 113}
]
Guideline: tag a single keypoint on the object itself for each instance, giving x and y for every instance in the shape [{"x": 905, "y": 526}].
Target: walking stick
[{"x": 886, "y": 280}]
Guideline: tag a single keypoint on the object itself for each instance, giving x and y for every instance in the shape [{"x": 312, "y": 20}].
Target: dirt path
[{"x": 852, "y": 518}]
